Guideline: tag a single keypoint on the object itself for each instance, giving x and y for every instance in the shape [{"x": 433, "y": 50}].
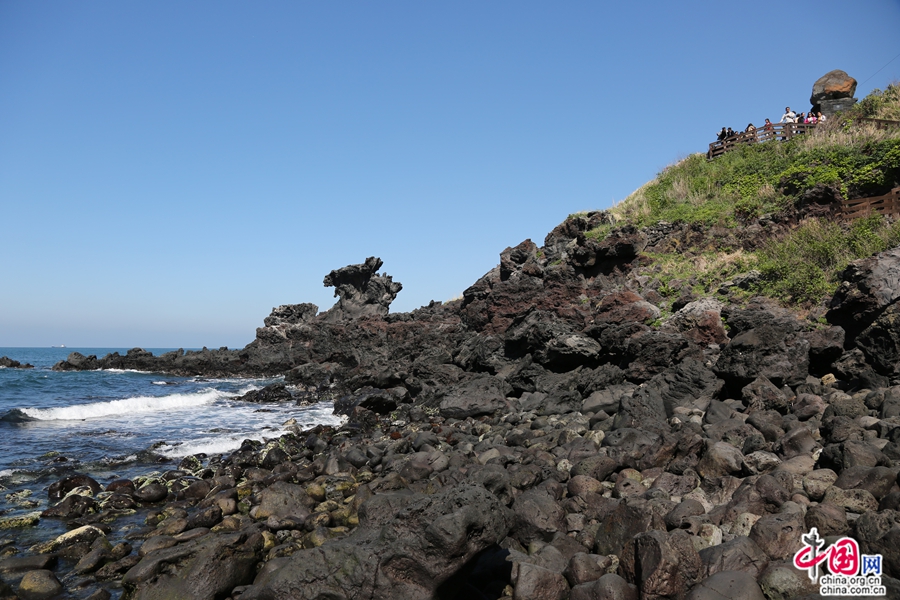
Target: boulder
[
  {"x": 738, "y": 554},
  {"x": 661, "y": 564},
  {"x": 765, "y": 341},
  {"x": 39, "y": 585},
  {"x": 408, "y": 557},
  {"x": 608, "y": 587},
  {"x": 204, "y": 568},
  {"x": 778, "y": 535},
  {"x": 727, "y": 585},
  {"x": 834, "y": 85},
  {"x": 538, "y": 516},
  {"x": 282, "y": 499},
  {"x": 480, "y": 395},
  {"x": 868, "y": 286}
]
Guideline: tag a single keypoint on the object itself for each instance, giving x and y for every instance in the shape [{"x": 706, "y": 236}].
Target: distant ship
[{"x": 60, "y": 346}]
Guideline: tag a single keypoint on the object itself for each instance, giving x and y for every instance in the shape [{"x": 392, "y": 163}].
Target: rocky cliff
[{"x": 561, "y": 431}]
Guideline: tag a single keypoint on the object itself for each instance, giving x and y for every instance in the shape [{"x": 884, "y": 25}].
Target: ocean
[{"x": 114, "y": 424}]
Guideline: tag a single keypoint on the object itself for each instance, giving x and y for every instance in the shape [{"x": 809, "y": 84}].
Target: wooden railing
[
  {"x": 775, "y": 131},
  {"x": 879, "y": 123},
  {"x": 889, "y": 204}
]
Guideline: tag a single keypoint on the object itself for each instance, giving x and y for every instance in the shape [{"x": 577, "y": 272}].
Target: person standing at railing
[
  {"x": 722, "y": 135},
  {"x": 788, "y": 118}
]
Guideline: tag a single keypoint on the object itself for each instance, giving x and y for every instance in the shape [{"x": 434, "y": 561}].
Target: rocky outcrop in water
[{"x": 6, "y": 362}]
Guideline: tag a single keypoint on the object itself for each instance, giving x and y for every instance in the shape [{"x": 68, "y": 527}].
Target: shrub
[{"x": 804, "y": 266}]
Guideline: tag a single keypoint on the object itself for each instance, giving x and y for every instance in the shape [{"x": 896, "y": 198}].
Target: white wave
[
  {"x": 214, "y": 445},
  {"x": 139, "y": 404},
  {"x": 7, "y": 472}
]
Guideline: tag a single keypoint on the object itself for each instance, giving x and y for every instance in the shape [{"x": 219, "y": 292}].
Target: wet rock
[
  {"x": 86, "y": 534},
  {"x": 14, "y": 522},
  {"x": 9, "y": 363},
  {"x": 58, "y": 490},
  {"x": 282, "y": 499},
  {"x": 21, "y": 564},
  {"x": 151, "y": 493},
  {"x": 70, "y": 508},
  {"x": 39, "y": 585},
  {"x": 272, "y": 393}
]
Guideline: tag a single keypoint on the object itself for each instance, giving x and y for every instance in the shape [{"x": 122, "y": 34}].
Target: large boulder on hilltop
[
  {"x": 407, "y": 555},
  {"x": 833, "y": 89},
  {"x": 361, "y": 290}
]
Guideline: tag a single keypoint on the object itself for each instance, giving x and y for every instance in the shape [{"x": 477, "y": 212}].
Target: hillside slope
[{"x": 659, "y": 400}]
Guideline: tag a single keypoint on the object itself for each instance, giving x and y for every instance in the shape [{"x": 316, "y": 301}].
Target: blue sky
[{"x": 169, "y": 171}]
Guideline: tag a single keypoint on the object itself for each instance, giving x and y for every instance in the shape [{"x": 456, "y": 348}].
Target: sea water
[{"x": 112, "y": 424}]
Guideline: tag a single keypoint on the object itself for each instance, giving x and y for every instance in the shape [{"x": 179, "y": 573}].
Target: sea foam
[{"x": 127, "y": 406}]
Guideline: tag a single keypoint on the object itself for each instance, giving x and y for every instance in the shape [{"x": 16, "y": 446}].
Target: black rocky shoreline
[{"x": 551, "y": 435}]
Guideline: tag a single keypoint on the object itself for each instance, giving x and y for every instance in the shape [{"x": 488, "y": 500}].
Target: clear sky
[{"x": 170, "y": 171}]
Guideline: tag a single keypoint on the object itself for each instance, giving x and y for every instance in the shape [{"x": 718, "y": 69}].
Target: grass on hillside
[{"x": 855, "y": 158}]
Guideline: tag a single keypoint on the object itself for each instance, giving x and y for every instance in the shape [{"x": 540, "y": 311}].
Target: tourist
[
  {"x": 767, "y": 128},
  {"x": 789, "y": 116},
  {"x": 730, "y": 133},
  {"x": 722, "y": 135},
  {"x": 811, "y": 118},
  {"x": 820, "y": 117}
]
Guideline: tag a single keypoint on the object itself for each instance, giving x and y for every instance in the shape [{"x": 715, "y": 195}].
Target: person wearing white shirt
[{"x": 789, "y": 116}]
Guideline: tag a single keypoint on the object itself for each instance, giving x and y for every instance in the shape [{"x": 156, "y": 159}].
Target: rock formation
[
  {"x": 833, "y": 92},
  {"x": 552, "y": 434},
  {"x": 361, "y": 290}
]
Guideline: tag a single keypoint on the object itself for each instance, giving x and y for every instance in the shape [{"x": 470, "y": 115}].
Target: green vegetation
[
  {"x": 802, "y": 266},
  {"x": 805, "y": 265}
]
